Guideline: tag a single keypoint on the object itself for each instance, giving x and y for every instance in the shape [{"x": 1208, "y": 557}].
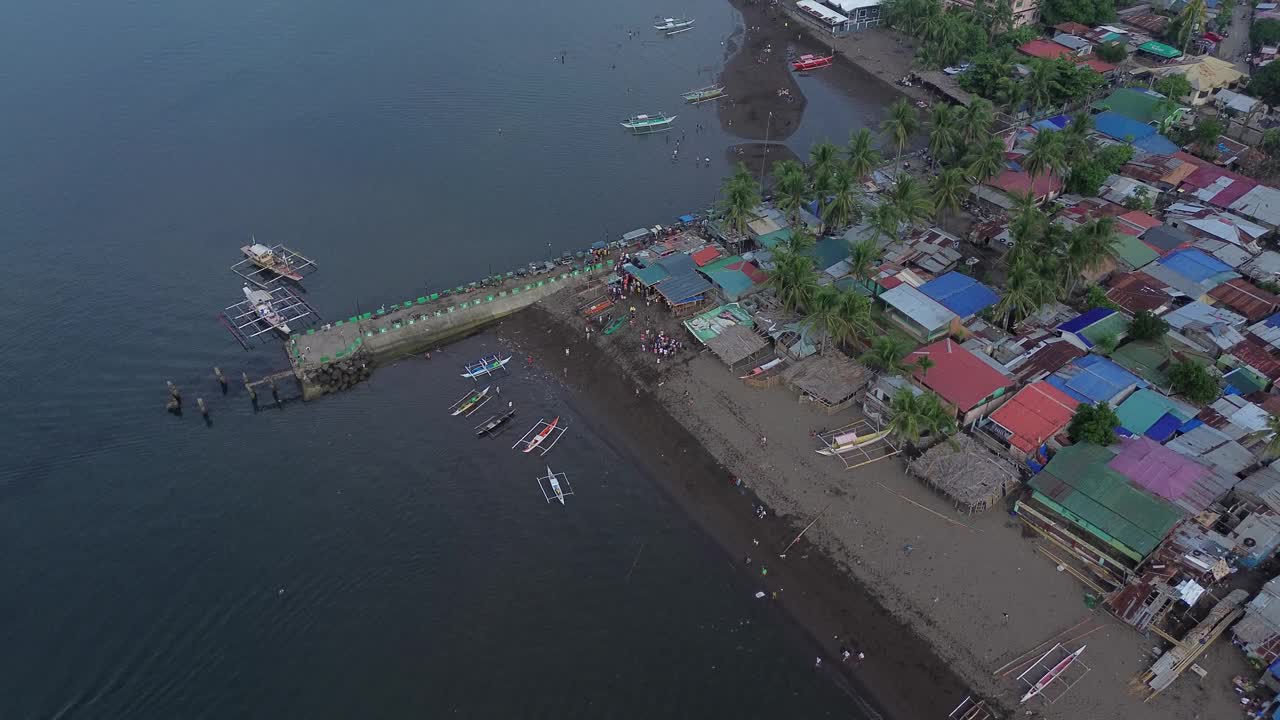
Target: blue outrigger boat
[{"x": 485, "y": 366}]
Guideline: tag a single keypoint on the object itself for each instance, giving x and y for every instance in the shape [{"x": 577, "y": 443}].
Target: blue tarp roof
[
  {"x": 1193, "y": 264},
  {"x": 1057, "y": 122},
  {"x": 1273, "y": 321},
  {"x": 650, "y": 276},
  {"x": 1156, "y": 144},
  {"x": 1093, "y": 378},
  {"x": 1164, "y": 428},
  {"x": 1118, "y": 126},
  {"x": 960, "y": 293},
  {"x": 686, "y": 218},
  {"x": 680, "y": 288},
  {"x": 599, "y": 245},
  {"x": 1085, "y": 319}
]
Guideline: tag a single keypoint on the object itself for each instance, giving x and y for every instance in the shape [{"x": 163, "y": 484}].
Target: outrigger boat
[
  {"x": 645, "y": 124},
  {"x": 266, "y": 258},
  {"x": 260, "y": 300},
  {"x": 841, "y": 444},
  {"x": 485, "y": 366},
  {"x": 495, "y": 422},
  {"x": 701, "y": 95},
  {"x": 538, "y": 434},
  {"x": 669, "y": 24},
  {"x": 559, "y": 486},
  {"x": 1053, "y": 674},
  {"x": 615, "y": 325},
  {"x": 812, "y": 62},
  {"x": 471, "y": 403},
  {"x": 762, "y": 369}
]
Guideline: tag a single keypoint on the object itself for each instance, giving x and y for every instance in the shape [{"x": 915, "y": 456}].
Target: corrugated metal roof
[
  {"x": 1201, "y": 315},
  {"x": 1246, "y": 298},
  {"x": 1036, "y": 413},
  {"x": 1166, "y": 238},
  {"x": 650, "y": 276},
  {"x": 1194, "y": 264},
  {"x": 1261, "y": 203},
  {"x": 959, "y": 377},
  {"x": 1159, "y": 469},
  {"x": 1085, "y": 319},
  {"x": 960, "y": 294},
  {"x": 1094, "y": 379},
  {"x": 1143, "y": 408},
  {"x": 1256, "y": 356},
  {"x": 917, "y": 306},
  {"x": 1079, "y": 480},
  {"x": 1120, "y": 127},
  {"x": 1133, "y": 251},
  {"x": 1138, "y": 291}
]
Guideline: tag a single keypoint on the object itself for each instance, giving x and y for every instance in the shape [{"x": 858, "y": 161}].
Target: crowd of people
[{"x": 660, "y": 344}]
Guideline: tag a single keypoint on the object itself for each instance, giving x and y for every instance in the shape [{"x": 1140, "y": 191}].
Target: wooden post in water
[
  {"x": 222, "y": 379},
  {"x": 253, "y": 394},
  {"x": 204, "y": 409},
  {"x": 175, "y": 398},
  {"x": 275, "y": 394}
]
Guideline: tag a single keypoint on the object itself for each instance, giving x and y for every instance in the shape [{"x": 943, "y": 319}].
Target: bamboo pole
[
  {"x": 1024, "y": 663},
  {"x": 1033, "y": 650},
  {"x": 1066, "y": 566},
  {"x": 928, "y": 510},
  {"x": 805, "y": 530}
]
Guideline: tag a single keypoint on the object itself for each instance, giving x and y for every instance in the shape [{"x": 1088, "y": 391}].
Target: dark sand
[
  {"x": 752, "y": 77},
  {"x": 902, "y": 677},
  {"x": 753, "y": 154}
]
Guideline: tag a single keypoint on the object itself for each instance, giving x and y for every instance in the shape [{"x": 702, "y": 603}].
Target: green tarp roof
[
  {"x": 1135, "y": 104},
  {"x": 1133, "y": 251},
  {"x": 1144, "y": 358},
  {"x": 1160, "y": 49},
  {"x": 775, "y": 238},
  {"x": 1244, "y": 380},
  {"x": 1115, "y": 324},
  {"x": 1078, "y": 480},
  {"x": 651, "y": 275},
  {"x": 1143, "y": 408}
]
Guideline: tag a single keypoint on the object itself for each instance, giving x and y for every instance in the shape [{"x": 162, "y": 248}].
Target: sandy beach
[{"x": 937, "y": 606}]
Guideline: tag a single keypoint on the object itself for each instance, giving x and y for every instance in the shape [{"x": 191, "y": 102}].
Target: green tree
[
  {"x": 1112, "y": 52},
  {"x": 1096, "y": 297},
  {"x": 987, "y": 159},
  {"x": 948, "y": 190},
  {"x": 1088, "y": 174},
  {"x": 887, "y": 355},
  {"x": 862, "y": 258},
  {"x": 912, "y": 416},
  {"x": 1263, "y": 32},
  {"x": 793, "y": 279},
  {"x": 1087, "y": 248},
  {"x": 1085, "y": 12},
  {"x": 924, "y": 364},
  {"x": 823, "y": 315},
  {"x": 1191, "y": 380},
  {"x": 1046, "y": 154},
  {"x": 845, "y": 206},
  {"x": 1191, "y": 21},
  {"x": 1021, "y": 296},
  {"x": 974, "y": 122},
  {"x": 1265, "y": 83},
  {"x": 861, "y": 153},
  {"x": 1205, "y": 135},
  {"x": 741, "y": 196},
  {"x": 900, "y": 124},
  {"x": 885, "y": 221},
  {"x": 1174, "y": 86},
  {"x": 944, "y": 137},
  {"x": 800, "y": 239},
  {"x": 790, "y": 188},
  {"x": 1094, "y": 424},
  {"x": 909, "y": 200},
  {"x": 1272, "y": 448},
  {"x": 823, "y": 159},
  {"x": 1106, "y": 344},
  {"x": 855, "y": 316},
  {"x": 1147, "y": 325}
]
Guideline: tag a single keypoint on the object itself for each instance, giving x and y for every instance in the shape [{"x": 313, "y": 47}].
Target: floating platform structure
[
  {"x": 266, "y": 267},
  {"x": 265, "y": 313}
]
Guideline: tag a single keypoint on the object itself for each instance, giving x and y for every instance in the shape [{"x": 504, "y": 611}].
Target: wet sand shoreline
[{"x": 826, "y": 603}]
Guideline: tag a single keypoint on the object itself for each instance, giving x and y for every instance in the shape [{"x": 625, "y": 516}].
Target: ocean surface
[{"x": 362, "y": 556}]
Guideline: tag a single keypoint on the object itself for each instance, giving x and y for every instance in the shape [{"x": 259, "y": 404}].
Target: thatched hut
[
  {"x": 833, "y": 380},
  {"x": 967, "y": 472}
]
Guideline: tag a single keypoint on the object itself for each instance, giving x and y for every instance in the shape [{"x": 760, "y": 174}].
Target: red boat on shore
[{"x": 812, "y": 62}]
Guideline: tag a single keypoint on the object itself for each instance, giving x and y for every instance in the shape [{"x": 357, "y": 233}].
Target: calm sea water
[{"x": 361, "y": 556}]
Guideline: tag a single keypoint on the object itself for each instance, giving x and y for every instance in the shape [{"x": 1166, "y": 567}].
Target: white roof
[
  {"x": 1227, "y": 227},
  {"x": 849, "y": 6},
  {"x": 1201, "y": 314},
  {"x": 1261, "y": 203},
  {"x": 829, "y": 16},
  {"x": 1233, "y": 255},
  {"x": 921, "y": 308},
  {"x": 1264, "y": 267},
  {"x": 1236, "y": 101},
  {"x": 1071, "y": 41},
  {"x": 1111, "y": 28}
]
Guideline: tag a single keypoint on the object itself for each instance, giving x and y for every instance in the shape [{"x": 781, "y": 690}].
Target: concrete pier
[{"x": 343, "y": 353}]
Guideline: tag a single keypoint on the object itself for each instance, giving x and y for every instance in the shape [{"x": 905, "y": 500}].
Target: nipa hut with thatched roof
[
  {"x": 967, "y": 472},
  {"x": 831, "y": 379}
]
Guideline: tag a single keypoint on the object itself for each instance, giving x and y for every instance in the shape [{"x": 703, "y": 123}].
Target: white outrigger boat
[
  {"x": 472, "y": 402},
  {"x": 1054, "y": 673},
  {"x": 486, "y": 366},
  {"x": 557, "y": 486},
  {"x": 645, "y": 124},
  {"x": 706, "y": 94},
  {"x": 843, "y": 443},
  {"x": 260, "y": 300},
  {"x": 673, "y": 25}
]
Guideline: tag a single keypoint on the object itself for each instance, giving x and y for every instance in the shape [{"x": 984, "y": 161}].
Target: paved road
[{"x": 1236, "y": 45}]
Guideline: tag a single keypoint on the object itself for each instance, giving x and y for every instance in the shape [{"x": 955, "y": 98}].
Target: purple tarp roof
[{"x": 1156, "y": 468}]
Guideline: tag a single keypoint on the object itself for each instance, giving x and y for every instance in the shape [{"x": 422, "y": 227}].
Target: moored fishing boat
[
  {"x": 616, "y": 325},
  {"x": 1054, "y": 672},
  {"x": 762, "y": 369},
  {"x": 845, "y": 442},
  {"x": 812, "y": 62},
  {"x": 485, "y": 366},
  {"x": 267, "y": 259},
  {"x": 470, "y": 401},
  {"x": 262, "y": 307},
  {"x": 669, "y": 24},
  {"x": 495, "y": 422},
  {"x": 644, "y": 124},
  {"x": 533, "y": 443},
  {"x": 706, "y": 94},
  {"x": 555, "y": 485}
]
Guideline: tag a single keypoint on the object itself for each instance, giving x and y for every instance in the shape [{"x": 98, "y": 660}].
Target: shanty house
[
  {"x": 1090, "y": 327},
  {"x": 831, "y": 380},
  {"x": 960, "y": 294},
  {"x": 1138, "y": 291},
  {"x": 1191, "y": 272},
  {"x": 1247, "y": 299},
  {"x": 1148, "y": 413},
  {"x": 970, "y": 384},
  {"x": 1029, "y": 420},
  {"x": 1170, "y": 475},
  {"x": 920, "y": 315},
  {"x": 1095, "y": 379},
  {"x": 1258, "y": 632},
  {"x": 1079, "y": 498}
]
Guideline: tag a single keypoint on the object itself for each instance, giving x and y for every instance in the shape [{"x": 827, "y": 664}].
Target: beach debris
[{"x": 759, "y": 594}]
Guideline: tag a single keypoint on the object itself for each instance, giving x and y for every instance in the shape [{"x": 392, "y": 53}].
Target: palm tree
[
  {"x": 1075, "y": 137},
  {"x": 790, "y": 188},
  {"x": 1000, "y": 19},
  {"x": 844, "y": 207},
  {"x": 987, "y": 160},
  {"x": 924, "y": 363},
  {"x": 900, "y": 125},
  {"x": 862, "y": 258},
  {"x": 823, "y": 314},
  {"x": 913, "y": 416},
  {"x": 1273, "y": 443},
  {"x": 885, "y": 221},
  {"x": 975, "y": 121},
  {"x": 855, "y": 316},
  {"x": 861, "y": 153},
  {"x": 886, "y": 355},
  {"x": 909, "y": 201},
  {"x": 1191, "y": 19},
  {"x": 944, "y": 137},
  {"x": 800, "y": 239},
  {"x": 948, "y": 189},
  {"x": 793, "y": 279},
  {"x": 1040, "y": 85},
  {"x": 1087, "y": 249},
  {"x": 1046, "y": 154},
  {"x": 741, "y": 198},
  {"x": 1021, "y": 296},
  {"x": 822, "y": 159}
]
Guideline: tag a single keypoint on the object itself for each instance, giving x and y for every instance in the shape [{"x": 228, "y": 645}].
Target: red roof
[
  {"x": 1138, "y": 291},
  {"x": 1246, "y": 298},
  {"x": 1013, "y": 181},
  {"x": 748, "y": 268},
  {"x": 1073, "y": 28},
  {"x": 1140, "y": 219},
  {"x": 958, "y": 376},
  {"x": 889, "y": 283},
  {"x": 1206, "y": 175},
  {"x": 1098, "y": 66},
  {"x": 1044, "y": 49},
  {"x": 706, "y": 255},
  {"x": 1253, "y": 354},
  {"x": 1035, "y": 414}
]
